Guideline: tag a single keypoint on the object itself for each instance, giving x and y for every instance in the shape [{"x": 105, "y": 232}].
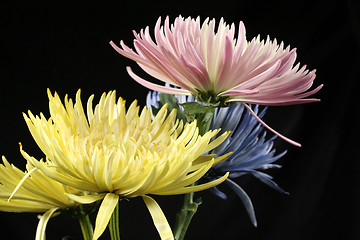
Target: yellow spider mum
[
  {"x": 32, "y": 191},
  {"x": 120, "y": 153}
]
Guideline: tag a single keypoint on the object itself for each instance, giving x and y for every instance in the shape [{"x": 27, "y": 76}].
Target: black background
[{"x": 64, "y": 46}]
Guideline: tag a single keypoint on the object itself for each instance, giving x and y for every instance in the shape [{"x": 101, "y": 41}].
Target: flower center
[{"x": 210, "y": 98}]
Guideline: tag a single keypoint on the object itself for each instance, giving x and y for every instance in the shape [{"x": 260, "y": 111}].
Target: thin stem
[
  {"x": 184, "y": 217},
  {"x": 114, "y": 224},
  {"x": 203, "y": 115},
  {"x": 86, "y": 226}
]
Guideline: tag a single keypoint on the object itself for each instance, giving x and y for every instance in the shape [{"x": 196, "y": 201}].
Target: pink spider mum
[{"x": 216, "y": 67}]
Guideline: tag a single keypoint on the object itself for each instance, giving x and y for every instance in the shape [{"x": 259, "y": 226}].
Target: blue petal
[
  {"x": 267, "y": 180},
  {"x": 218, "y": 193},
  {"x": 245, "y": 199}
]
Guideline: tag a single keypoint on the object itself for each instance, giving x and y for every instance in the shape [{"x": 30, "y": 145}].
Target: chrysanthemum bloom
[
  {"x": 216, "y": 67},
  {"x": 251, "y": 152},
  {"x": 32, "y": 191},
  {"x": 120, "y": 154}
]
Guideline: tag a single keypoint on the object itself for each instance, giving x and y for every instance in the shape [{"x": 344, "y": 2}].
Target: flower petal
[
  {"x": 86, "y": 199},
  {"x": 267, "y": 180},
  {"x": 195, "y": 188},
  {"x": 105, "y": 211},
  {"x": 21, "y": 182},
  {"x": 156, "y": 87},
  {"x": 270, "y": 129},
  {"x": 40, "y": 230},
  {"x": 245, "y": 199},
  {"x": 159, "y": 218}
]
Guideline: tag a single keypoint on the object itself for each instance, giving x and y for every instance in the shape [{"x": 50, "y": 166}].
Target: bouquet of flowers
[{"x": 202, "y": 128}]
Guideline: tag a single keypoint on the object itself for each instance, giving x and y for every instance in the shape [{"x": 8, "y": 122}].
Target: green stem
[
  {"x": 114, "y": 224},
  {"x": 183, "y": 218},
  {"x": 203, "y": 115},
  {"x": 86, "y": 226}
]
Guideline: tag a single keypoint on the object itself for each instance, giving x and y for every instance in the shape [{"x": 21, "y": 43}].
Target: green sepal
[
  {"x": 203, "y": 115},
  {"x": 210, "y": 98},
  {"x": 198, "y": 201},
  {"x": 81, "y": 210},
  {"x": 67, "y": 238}
]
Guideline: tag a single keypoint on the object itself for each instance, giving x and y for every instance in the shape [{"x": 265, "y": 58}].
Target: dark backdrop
[{"x": 64, "y": 46}]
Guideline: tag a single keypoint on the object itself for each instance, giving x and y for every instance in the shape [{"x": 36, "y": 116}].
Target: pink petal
[
  {"x": 156, "y": 87},
  {"x": 235, "y": 92},
  {"x": 270, "y": 129}
]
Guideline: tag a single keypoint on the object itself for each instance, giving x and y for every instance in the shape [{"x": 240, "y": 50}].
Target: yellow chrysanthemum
[
  {"x": 120, "y": 154},
  {"x": 32, "y": 191}
]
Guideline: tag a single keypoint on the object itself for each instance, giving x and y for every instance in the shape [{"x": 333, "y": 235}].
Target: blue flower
[{"x": 251, "y": 151}]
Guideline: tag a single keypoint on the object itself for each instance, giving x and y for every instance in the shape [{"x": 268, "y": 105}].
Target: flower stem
[
  {"x": 114, "y": 224},
  {"x": 203, "y": 115},
  {"x": 183, "y": 218},
  {"x": 86, "y": 226}
]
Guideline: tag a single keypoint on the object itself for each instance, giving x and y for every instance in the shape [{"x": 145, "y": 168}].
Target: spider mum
[
  {"x": 121, "y": 153},
  {"x": 216, "y": 67}
]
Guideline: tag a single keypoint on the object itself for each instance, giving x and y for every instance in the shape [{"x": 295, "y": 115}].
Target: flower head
[
  {"x": 32, "y": 191},
  {"x": 216, "y": 67},
  {"x": 251, "y": 152},
  {"x": 119, "y": 153}
]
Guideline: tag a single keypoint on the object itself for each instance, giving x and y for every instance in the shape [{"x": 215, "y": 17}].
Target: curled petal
[
  {"x": 21, "y": 182},
  {"x": 158, "y": 218},
  {"x": 86, "y": 199},
  {"x": 272, "y": 130},
  {"x": 44, "y": 219},
  {"x": 105, "y": 211},
  {"x": 156, "y": 87},
  {"x": 195, "y": 188},
  {"x": 245, "y": 199}
]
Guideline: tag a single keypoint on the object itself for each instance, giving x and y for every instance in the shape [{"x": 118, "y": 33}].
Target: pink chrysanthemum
[{"x": 216, "y": 66}]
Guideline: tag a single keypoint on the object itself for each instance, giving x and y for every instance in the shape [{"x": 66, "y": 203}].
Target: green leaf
[
  {"x": 188, "y": 111},
  {"x": 172, "y": 104}
]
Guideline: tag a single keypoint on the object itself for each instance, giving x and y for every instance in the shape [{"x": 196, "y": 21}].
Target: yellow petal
[
  {"x": 105, "y": 211},
  {"x": 159, "y": 218},
  {"x": 53, "y": 173},
  {"x": 20, "y": 183},
  {"x": 24, "y": 205},
  {"x": 191, "y": 178},
  {"x": 217, "y": 141},
  {"x": 40, "y": 231},
  {"x": 86, "y": 199},
  {"x": 195, "y": 188},
  {"x": 203, "y": 160}
]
